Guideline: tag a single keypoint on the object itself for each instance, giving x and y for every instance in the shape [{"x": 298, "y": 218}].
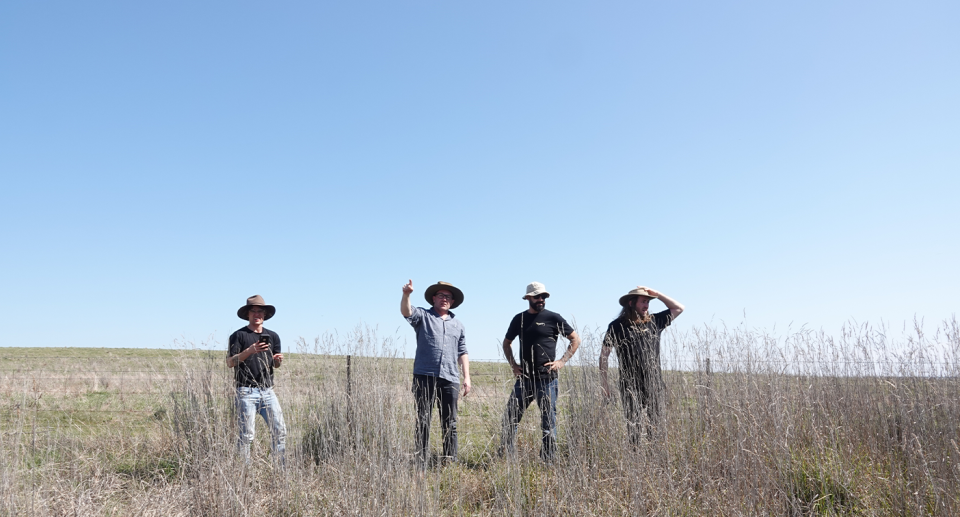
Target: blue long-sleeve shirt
[{"x": 440, "y": 342}]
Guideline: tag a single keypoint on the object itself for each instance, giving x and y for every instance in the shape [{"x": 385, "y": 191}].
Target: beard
[
  {"x": 643, "y": 316},
  {"x": 537, "y": 305}
]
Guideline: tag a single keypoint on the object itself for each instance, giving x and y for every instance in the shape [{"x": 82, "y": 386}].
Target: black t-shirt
[
  {"x": 638, "y": 347},
  {"x": 538, "y": 341},
  {"x": 257, "y": 370}
]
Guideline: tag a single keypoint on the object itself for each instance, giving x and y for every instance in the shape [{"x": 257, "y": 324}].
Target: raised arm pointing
[{"x": 406, "y": 308}]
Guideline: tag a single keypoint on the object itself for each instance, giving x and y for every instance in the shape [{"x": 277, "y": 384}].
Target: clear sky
[{"x": 773, "y": 163}]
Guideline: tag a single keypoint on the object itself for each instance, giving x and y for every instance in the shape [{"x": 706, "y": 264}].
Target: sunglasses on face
[
  {"x": 443, "y": 296},
  {"x": 540, "y": 297}
]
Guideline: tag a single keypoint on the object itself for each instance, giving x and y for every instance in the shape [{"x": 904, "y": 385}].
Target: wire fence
[
  {"x": 788, "y": 366},
  {"x": 146, "y": 389},
  {"x": 693, "y": 365}
]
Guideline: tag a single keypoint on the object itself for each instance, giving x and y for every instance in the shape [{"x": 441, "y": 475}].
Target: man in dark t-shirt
[
  {"x": 635, "y": 335},
  {"x": 253, "y": 352},
  {"x": 536, "y": 373}
]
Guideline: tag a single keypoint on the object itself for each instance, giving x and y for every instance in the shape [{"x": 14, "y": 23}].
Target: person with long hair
[{"x": 635, "y": 335}]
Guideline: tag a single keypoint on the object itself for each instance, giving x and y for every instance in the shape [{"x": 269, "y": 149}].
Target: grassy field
[{"x": 805, "y": 424}]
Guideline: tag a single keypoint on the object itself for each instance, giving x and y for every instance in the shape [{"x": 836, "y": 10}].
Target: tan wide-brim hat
[
  {"x": 633, "y": 294},
  {"x": 536, "y": 288},
  {"x": 443, "y": 286},
  {"x": 256, "y": 301}
]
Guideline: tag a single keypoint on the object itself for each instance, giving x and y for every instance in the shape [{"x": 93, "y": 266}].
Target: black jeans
[
  {"x": 427, "y": 391},
  {"x": 636, "y": 401}
]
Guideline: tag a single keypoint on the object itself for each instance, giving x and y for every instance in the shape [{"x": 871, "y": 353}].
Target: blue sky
[{"x": 764, "y": 163}]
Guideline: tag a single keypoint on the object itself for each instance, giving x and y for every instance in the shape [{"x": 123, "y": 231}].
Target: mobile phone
[{"x": 264, "y": 338}]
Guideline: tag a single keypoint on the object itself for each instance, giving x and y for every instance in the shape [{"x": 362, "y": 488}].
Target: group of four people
[{"x": 441, "y": 355}]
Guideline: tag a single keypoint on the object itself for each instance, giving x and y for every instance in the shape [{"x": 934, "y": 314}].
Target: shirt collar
[{"x": 437, "y": 314}]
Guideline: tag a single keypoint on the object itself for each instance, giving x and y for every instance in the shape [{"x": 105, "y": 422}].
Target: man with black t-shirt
[
  {"x": 253, "y": 354},
  {"x": 635, "y": 335},
  {"x": 536, "y": 374}
]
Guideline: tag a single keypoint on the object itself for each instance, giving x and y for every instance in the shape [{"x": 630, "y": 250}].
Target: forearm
[
  {"x": 406, "y": 308},
  {"x": 675, "y": 307},
  {"x": 234, "y": 360},
  {"x": 464, "y": 361},
  {"x": 604, "y": 363},
  {"x": 508, "y": 352},
  {"x": 572, "y": 349}
]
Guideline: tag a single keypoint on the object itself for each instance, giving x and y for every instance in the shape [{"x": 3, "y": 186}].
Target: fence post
[
  {"x": 706, "y": 397},
  {"x": 351, "y": 429}
]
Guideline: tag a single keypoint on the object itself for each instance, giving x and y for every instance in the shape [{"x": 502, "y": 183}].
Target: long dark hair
[{"x": 629, "y": 312}]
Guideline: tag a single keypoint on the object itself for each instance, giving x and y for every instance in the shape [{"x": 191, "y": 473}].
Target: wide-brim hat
[
  {"x": 633, "y": 294},
  {"x": 536, "y": 288},
  {"x": 443, "y": 286},
  {"x": 256, "y": 301}
]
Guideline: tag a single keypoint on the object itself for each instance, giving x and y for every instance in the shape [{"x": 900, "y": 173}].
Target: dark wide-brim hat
[
  {"x": 256, "y": 301},
  {"x": 633, "y": 294},
  {"x": 443, "y": 286}
]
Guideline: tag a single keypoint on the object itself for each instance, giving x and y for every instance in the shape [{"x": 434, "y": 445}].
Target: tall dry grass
[{"x": 803, "y": 423}]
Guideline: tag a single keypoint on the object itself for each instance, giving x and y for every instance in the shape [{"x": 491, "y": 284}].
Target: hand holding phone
[{"x": 262, "y": 344}]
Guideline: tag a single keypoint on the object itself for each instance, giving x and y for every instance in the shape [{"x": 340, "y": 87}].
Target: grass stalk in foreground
[{"x": 803, "y": 424}]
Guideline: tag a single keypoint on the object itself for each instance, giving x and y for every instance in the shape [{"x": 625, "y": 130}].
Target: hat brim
[
  {"x": 243, "y": 312},
  {"x": 625, "y": 299},
  {"x": 433, "y": 289},
  {"x": 535, "y": 293}
]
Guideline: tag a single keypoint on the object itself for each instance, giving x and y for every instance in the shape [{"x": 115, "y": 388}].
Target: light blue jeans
[{"x": 251, "y": 401}]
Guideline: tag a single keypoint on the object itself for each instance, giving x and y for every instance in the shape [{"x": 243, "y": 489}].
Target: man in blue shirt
[{"x": 441, "y": 346}]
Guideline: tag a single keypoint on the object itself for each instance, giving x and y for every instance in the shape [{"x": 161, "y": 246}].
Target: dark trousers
[
  {"x": 524, "y": 392},
  {"x": 429, "y": 391},
  {"x": 642, "y": 409}
]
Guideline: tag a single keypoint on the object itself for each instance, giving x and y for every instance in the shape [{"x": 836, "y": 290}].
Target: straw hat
[
  {"x": 535, "y": 288},
  {"x": 443, "y": 286},
  {"x": 256, "y": 301},
  {"x": 635, "y": 292}
]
